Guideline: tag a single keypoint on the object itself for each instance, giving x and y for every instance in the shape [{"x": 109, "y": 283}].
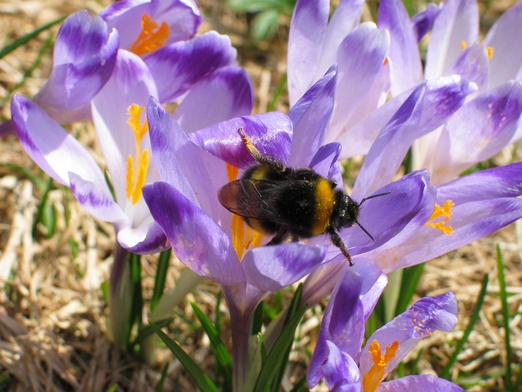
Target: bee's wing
[{"x": 250, "y": 198}]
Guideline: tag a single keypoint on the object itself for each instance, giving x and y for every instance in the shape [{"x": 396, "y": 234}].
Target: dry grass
[{"x": 52, "y": 314}]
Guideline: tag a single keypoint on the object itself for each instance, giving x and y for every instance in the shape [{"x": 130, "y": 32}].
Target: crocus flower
[
  {"x": 487, "y": 123},
  {"x": 339, "y": 356},
  {"x": 217, "y": 245}
]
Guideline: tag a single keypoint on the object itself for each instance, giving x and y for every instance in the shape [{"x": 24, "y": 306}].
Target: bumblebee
[{"x": 290, "y": 203}]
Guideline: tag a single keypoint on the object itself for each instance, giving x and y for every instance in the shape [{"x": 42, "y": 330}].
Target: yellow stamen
[
  {"x": 137, "y": 175},
  {"x": 442, "y": 212},
  {"x": 151, "y": 37},
  {"x": 463, "y": 45},
  {"x": 375, "y": 375},
  {"x": 489, "y": 51}
]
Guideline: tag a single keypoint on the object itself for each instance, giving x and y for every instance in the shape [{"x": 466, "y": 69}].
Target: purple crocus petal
[
  {"x": 177, "y": 159},
  {"x": 505, "y": 63},
  {"x": 498, "y": 182},
  {"x": 196, "y": 239},
  {"x": 271, "y": 133},
  {"x": 470, "y": 222},
  {"x": 358, "y": 73},
  {"x": 457, "y": 22},
  {"x": 481, "y": 129},
  {"x": 373, "y": 284},
  {"x": 50, "y": 146},
  {"x": 391, "y": 217},
  {"x": 406, "y": 66},
  {"x": 339, "y": 369},
  {"x": 131, "y": 83},
  {"x": 311, "y": 117},
  {"x": 325, "y": 163},
  {"x": 84, "y": 57},
  {"x": 344, "y": 20},
  {"x": 225, "y": 94},
  {"x": 343, "y": 323},
  {"x": 270, "y": 268},
  {"x": 428, "y": 107},
  {"x": 179, "y": 66},
  {"x": 423, "y": 382},
  {"x": 423, "y": 21},
  {"x": 7, "y": 128},
  {"x": 182, "y": 16},
  {"x": 96, "y": 199},
  {"x": 154, "y": 241},
  {"x": 358, "y": 139},
  {"x": 420, "y": 321},
  {"x": 473, "y": 64},
  {"x": 306, "y": 37}
]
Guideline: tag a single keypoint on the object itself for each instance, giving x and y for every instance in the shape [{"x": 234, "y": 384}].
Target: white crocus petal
[
  {"x": 131, "y": 83},
  {"x": 457, "y": 22}
]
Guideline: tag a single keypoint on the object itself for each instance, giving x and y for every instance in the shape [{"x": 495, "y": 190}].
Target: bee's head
[{"x": 346, "y": 212}]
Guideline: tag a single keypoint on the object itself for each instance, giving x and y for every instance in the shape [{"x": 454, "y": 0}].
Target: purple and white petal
[
  {"x": 426, "y": 316},
  {"x": 225, "y": 94},
  {"x": 84, "y": 57},
  {"x": 325, "y": 163},
  {"x": 271, "y": 134},
  {"x": 423, "y": 382},
  {"x": 50, "y": 146},
  {"x": 271, "y": 268},
  {"x": 343, "y": 323},
  {"x": 96, "y": 199},
  {"x": 339, "y": 369},
  {"x": 131, "y": 83},
  {"x": 311, "y": 116},
  {"x": 179, "y": 66},
  {"x": 357, "y": 139},
  {"x": 423, "y": 21},
  {"x": 178, "y": 160},
  {"x": 305, "y": 42},
  {"x": 473, "y": 64},
  {"x": 457, "y": 22},
  {"x": 406, "y": 66},
  {"x": 502, "y": 38},
  {"x": 481, "y": 129},
  {"x": 498, "y": 182},
  {"x": 196, "y": 239},
  {"x": 152, "y": 241},
  {"x": 428, "y": 107},
  {"x": 343, "y": 21},
  {"x": 470, "y": 221},
  {"x": 410, "y": 202},
  {"x": 356, "y": 74}
]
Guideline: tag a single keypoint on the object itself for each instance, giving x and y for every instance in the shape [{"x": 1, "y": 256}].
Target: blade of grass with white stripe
[{"x": 505, "y": 320}]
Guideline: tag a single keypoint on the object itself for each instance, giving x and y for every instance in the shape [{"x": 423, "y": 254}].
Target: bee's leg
[
  {"x": 337, "y": 241},
  {"x": 256, "y": 154},
  {"x": 279, "y": 237}
]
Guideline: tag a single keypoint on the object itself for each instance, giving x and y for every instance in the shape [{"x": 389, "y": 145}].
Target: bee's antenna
[
  {"x": 360, "y": 204},
  {"x": 373, "y": 197},
  {"x": 366, "y": 231}
]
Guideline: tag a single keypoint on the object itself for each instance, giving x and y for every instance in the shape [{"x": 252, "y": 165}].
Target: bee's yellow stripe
[{"x": 324, "y": 205}]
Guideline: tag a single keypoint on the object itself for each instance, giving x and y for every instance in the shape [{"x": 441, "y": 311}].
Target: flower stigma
[
  {"x": 442, "y": 212},
  {"x": 152, "y": 36},
  {"x": 243, "y": 236},
  {"x": 137, "y": 173},
  {"x": 375, "y": 375}
]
